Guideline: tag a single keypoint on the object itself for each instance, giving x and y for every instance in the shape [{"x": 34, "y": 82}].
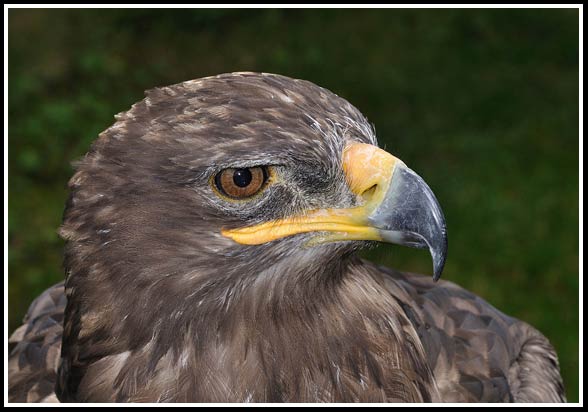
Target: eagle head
[{"x": 209, "y": 187}]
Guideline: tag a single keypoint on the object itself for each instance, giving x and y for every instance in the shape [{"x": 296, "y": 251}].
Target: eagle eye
[{"x": 241, "y": 183}]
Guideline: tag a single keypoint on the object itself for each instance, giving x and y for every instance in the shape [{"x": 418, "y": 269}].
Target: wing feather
[
  {"x": 33, "y": 363},
  {"x": 477, "y": 353}
]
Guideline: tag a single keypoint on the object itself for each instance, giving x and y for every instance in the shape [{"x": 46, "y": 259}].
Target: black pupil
[{"x": 242, "y": 177}]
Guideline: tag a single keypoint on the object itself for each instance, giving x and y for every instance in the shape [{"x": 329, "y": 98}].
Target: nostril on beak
[{"x": 369, "y": 193}]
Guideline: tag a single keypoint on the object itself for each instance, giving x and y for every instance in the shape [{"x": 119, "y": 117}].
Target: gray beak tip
[
  {"x": 411, "y": 216},
  {"x": 438, "y": 251},
  {"x": 439, "y": 262}
]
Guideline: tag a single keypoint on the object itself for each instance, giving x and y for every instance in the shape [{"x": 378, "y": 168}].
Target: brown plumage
[{"x": 159, "y": 306}]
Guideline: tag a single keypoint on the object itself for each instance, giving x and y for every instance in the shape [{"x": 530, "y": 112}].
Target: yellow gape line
[{"x": 368, "y": 171}]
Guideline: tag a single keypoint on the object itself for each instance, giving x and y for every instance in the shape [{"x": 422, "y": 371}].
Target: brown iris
[{"x": 241, "y": 183}]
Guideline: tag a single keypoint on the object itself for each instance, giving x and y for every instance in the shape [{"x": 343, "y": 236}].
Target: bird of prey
[{"x": 211, "y": 238}]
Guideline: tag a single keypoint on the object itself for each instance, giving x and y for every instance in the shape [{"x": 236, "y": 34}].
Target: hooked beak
[{"x": 398, "y": 207}]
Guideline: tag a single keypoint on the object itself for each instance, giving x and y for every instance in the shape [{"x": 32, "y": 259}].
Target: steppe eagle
[{"x": 211, "y": 237}]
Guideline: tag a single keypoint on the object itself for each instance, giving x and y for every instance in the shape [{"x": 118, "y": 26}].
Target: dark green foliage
[{"x": 483, "y": 104}]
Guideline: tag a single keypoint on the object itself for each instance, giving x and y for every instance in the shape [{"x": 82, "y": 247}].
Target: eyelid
[
  {"x": 269, "y": 180},
  {"x": 272, "y": 168}
]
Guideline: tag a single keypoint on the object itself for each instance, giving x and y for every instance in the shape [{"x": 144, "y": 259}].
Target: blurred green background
[{"x": 483, "y": 104}]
